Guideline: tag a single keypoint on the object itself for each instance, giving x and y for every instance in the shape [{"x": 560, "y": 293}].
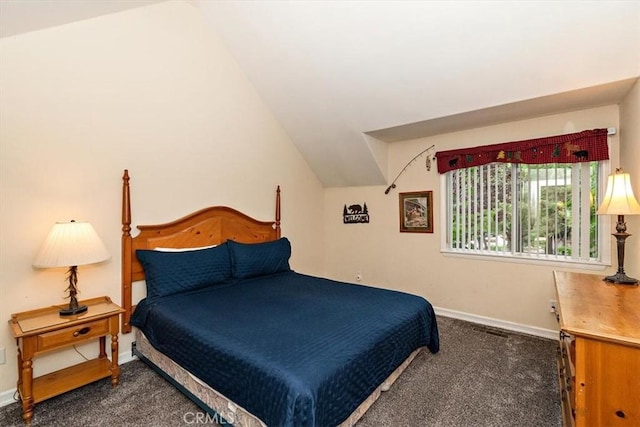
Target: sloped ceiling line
[{"x": 347, "y": 78}]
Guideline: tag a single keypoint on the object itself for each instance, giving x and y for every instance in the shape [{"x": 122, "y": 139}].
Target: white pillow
[{"x": 183, "y": 249}]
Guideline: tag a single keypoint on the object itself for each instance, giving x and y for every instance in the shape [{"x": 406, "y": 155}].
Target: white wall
[
  {"x": 152, "y": 90},
  {"x": 630, "y": 162},
  {"x": 410, "y": 262}
]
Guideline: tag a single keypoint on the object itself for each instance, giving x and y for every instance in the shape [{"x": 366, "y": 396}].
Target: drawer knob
[
  {"x": 81, "y": 331},
  {"x": 620, "y": 414}
]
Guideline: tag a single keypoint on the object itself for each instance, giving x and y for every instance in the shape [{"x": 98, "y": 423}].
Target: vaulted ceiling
[{"x": 346, "y": 78}]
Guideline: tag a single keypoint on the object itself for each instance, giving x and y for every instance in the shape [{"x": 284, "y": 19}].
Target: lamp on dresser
[
  {"x": 619, "y": 200},
  {"x": 70, "y": 244}
]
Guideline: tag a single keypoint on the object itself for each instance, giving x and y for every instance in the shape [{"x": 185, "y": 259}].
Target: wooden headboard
[{"x": 209, "y": 226}]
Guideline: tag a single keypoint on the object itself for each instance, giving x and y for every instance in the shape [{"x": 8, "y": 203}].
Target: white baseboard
[
  {"x": 6, "y": 397},
  {"x": 497, "y": 323},
  {"x": 126, "y": 357}
]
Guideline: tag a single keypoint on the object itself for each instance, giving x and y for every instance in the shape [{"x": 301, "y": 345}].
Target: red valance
[{"x": 585, "y": 146}]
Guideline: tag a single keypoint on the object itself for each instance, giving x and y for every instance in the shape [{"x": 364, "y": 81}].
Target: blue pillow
[
  {"x": 259, "y": 259},
  {"x": 168, "y": 273}
]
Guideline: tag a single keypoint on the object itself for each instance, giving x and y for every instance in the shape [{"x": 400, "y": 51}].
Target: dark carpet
[{"x": 481, "y": 377}]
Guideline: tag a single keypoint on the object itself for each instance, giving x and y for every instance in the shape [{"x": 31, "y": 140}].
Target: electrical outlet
[
  {"x": 3, "y": 356},
  {"x": 552, "y": 305}
]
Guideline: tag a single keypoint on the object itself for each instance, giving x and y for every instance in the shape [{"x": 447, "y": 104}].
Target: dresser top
[{"x": 592, "y": 307}]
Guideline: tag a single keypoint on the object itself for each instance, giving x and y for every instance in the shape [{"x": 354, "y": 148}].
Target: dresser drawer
[{"x": 79, "y": 333}]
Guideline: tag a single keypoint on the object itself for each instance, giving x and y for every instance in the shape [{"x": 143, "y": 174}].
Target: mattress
[
  {"x": 224, "y": 410},
  {"x": 293, "y": 350}
]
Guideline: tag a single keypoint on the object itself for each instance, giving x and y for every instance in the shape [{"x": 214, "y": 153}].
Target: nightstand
[{"x": 43, "y": 330}]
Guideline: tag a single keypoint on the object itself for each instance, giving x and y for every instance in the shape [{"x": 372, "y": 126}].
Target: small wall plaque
[{"x": 354, "y": 214}]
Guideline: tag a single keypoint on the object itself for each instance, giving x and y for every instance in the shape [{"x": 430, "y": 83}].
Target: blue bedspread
[{"x": 293, "y": 350}]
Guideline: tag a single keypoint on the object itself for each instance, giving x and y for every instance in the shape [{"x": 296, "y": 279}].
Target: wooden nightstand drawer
[{"x": 78, "y": 333}]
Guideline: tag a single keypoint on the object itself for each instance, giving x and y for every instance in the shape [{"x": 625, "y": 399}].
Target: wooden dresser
[{"x": 599, "y": 362}]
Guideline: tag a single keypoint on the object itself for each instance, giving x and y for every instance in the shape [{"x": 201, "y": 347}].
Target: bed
[{"x": 252, "y": 342}]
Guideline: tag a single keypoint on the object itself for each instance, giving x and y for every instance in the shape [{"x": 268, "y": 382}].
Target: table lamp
[
  {"x": 70, "y": 244},
  {"x": 619, "y": 200}
]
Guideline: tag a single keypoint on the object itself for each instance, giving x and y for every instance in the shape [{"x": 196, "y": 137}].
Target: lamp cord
[{"x": 78, "y": 351}]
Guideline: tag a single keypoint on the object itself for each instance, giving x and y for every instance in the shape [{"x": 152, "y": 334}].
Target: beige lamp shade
[
  {"x": 71, "y": 244},
  {"x": 619, "y": 198}
]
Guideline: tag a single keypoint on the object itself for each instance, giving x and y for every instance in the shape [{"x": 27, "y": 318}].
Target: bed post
[
  {"x": 126, "y": 253},
  {"x": 278, "y": 212}
]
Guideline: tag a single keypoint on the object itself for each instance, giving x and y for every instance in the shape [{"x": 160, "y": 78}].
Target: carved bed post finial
[
  {"x": 126, "y": 204},
  {"x": 126, "y": 253},
  {"x": 278, "y": 212}
]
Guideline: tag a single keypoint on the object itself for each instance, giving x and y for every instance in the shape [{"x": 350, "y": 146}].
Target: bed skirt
[{"x": 217, "y": 405}]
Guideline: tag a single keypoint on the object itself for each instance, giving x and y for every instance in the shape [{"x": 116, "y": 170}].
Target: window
[
  {"x": 543, "y": 211},
  {"x": 531, "y": 200}
]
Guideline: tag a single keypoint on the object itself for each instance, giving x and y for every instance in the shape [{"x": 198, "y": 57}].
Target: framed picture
[{"x": 416, "y": 212}]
